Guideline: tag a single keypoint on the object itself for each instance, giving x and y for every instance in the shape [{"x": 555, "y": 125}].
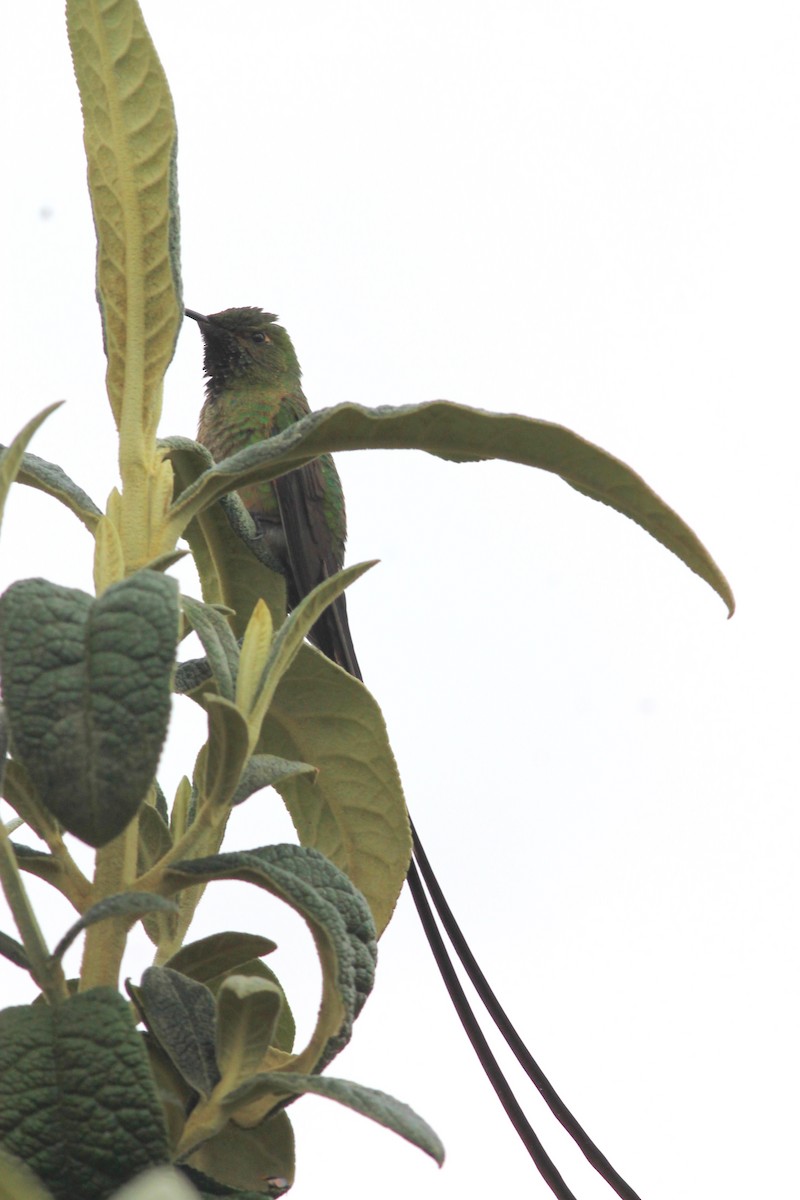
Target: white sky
[{"x": 581, "y": 212}]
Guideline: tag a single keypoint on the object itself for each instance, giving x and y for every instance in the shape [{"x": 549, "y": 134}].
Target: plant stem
[
  {"x": 46, "y": 973},
  {"x": 114, "y": 872}
]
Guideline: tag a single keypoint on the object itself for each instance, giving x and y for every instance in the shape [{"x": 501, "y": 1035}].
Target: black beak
[{"x": 196, "y": 316}]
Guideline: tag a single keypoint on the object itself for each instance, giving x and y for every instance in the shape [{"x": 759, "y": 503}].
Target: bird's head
[{"x": 245, "y": 345}]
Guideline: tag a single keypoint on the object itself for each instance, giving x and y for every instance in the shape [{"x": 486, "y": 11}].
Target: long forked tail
[{"x": 421, "y": 876}]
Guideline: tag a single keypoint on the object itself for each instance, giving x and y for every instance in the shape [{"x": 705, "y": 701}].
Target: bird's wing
[{"x": 310, "y": 551}]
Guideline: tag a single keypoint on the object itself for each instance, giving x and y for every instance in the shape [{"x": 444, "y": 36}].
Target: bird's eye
[{"x": 258, "y": 338}]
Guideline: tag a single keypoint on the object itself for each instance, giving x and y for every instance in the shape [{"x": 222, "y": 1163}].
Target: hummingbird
[{"x": 253, "y": 392}]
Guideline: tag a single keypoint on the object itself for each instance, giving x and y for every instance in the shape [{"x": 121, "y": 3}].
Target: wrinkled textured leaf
[
  {"x": 181, "y": 1015},
  {"x": 387, "y": 1111},
  {"x": 76, "y": 1095},
  {"x": 130, "y": 140},
  {"x": 460, "y": 434},
  {"x": 354, "y": 811},
  {"x": 87, "y": 689}
]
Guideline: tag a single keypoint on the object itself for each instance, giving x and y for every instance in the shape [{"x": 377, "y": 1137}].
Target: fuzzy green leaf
[
  {"x": 49, "y": 478},
  {"x": 76, "y": 1095},
  {"x": 217, "y": 639},
  {"x": 131, "y": 905},
  {"x": 387, "y": 1111},
  {"x": 87, "y": 689},
  {"x": 41, "y": 864},
  {"x": 130, "y": 140},
  {"x": 459, "y": 434},
  {"x": 267, "y": 770}
]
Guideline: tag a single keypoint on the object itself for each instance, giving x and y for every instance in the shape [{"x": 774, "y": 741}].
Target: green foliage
[
  {"x": 96, "y": 1120},
  {"x": 87, "y": 1102}
]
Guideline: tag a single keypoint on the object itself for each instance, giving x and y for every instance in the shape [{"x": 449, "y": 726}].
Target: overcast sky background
[{"x": 586, "y": 213}]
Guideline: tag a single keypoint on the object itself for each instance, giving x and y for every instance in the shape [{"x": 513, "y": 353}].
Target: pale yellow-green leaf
[
  {"x": 253, "y": 658},
  {"x": 130, "y": 139},
  {"x": 109, "y": 560},
  {"x": 354, "y": 811},
  {"x": 247, "y": 1012},
  {"x": 291, "y": 635},
  {"x": 178, "y": 820}
]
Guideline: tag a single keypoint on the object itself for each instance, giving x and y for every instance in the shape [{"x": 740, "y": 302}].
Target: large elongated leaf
[
  {"x": 130, "y": 139},
  {"x": 95, "y": 1120},
  {"x": 87, "y": 690},
  {"x": 354, "y": 811},
  {"x": 460, "y": 434}
]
